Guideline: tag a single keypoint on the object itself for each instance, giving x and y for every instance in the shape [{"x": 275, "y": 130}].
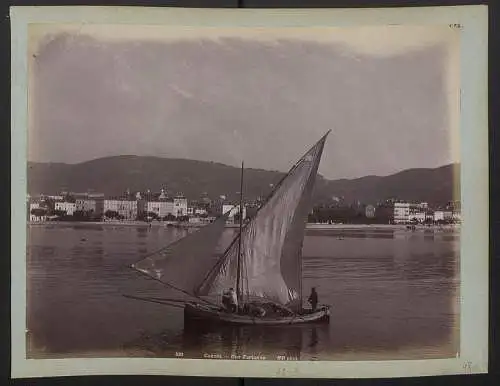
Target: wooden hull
[{"x": 207, "y": 314}]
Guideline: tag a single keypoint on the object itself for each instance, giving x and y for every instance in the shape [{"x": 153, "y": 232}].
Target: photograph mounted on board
[{"x": 248, "y": 193}]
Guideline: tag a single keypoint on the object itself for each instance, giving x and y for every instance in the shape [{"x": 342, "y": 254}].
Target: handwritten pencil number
[
  {"x": 467, "y": 367},
  {"x": 455, "y": 26}
]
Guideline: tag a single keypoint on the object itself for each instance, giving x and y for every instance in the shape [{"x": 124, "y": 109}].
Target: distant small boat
[{"x": 263, "y": 262}]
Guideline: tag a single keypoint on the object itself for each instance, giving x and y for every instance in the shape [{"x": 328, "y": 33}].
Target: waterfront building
[
  {"x": 423, "y": 206},
  {"x": 160, "y": 208},
  {"x": 65, "y": 206},
  {"x": 417, "y": 212},
  {"x": 86, "y": 205},
  {"x": 200, "y": 211},
  {"x": 233, "y": 210},
  {"x": 180, "y": 206},
  {"x": 37, "y": 212},
  {"x": 55, "y": 198},
  {"x": 438, "y": 215},
  {"x": 417, "y": 215},
  {"x": 401, "y": 212},
  {"x": 98, "y": 198},
  {"x": 369, "y": 211},
  {"x": 127, "y": 209}
]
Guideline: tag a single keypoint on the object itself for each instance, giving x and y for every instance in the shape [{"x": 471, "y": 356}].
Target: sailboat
[{"x": 263, "y": 262}]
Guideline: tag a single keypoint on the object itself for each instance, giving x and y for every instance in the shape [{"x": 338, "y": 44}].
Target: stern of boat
[
  {"x": 321, "y": 315},
  {"x": 326, "y": 314}
]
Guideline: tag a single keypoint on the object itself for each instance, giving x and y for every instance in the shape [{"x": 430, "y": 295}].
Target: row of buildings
[
  {"x": 386, "y": 212},
  {"x": 148, "y": 206},
  {"x": 405, "y": 213},
  {"x": 128, "y": 207}
]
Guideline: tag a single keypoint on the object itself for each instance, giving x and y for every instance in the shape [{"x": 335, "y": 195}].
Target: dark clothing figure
[{"x": 313, "y": 299}]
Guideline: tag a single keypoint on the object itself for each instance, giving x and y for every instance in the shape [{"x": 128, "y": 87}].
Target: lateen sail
[
  {"x": 272, "y": 241},
  {"x": 184, "y": 264}
]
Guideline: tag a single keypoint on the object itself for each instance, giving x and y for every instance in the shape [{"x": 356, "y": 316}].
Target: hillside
[{"x": 113, "y": 175}]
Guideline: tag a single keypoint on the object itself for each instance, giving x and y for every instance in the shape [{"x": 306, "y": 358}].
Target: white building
[
  {"x": 160, "y": 208},
  {"x": 233, "y": 210},
  {"x": 401, "y": 212},
  {"x": 448, "y": 215},
  {"x": 443, "y": 215},
  {"x": 369, "y": 211},
  {"x": 125, "y": 208},
  {"x": 34, "y": 217},
  {"x": 56, "y": 198},
  {"x": 418, "y": 216},
  {"x": 68, "y": 207},
  {"x": 180, "y": 206},
  {"x": 86, "y": 205},
  {"x": 438, "y": 215},
  {"x": 423, "y": 205},
  {"x": 200, "y": 211}
]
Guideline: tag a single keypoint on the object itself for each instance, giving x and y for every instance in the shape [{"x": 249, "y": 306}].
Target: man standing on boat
[
  {"x": 313, "y": 298},
  {"x": 234, "y": 299}
]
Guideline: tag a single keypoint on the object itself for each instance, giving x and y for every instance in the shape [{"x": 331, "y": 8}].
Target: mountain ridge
[{"x": 115, "y": 174}]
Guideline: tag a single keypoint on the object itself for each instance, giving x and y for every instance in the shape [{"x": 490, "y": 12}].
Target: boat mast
[
  {"x": 238, "y": 275},
  {"x": 301, "y": 284}
]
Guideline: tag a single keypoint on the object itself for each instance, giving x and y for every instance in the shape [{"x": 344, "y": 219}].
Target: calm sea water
[{"x": 393, "y": 295}]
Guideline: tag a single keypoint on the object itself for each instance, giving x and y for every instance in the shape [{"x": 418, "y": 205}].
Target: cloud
[{"x": 229, "y": 98}]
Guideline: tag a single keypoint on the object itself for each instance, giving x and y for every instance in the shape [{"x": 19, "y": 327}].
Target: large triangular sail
[
  {"x": 271, "y": 243},
  {"x": 184, "y": 264}
]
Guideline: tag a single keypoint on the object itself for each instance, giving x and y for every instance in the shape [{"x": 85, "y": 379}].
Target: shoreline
[{"x": 309, "y": 226}]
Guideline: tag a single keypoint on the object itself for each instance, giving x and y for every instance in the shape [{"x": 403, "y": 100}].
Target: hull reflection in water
[{"x": 209, "y": 341}]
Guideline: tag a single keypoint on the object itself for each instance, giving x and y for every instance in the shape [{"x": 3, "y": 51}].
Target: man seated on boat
[
  {"x": 229, "y": 300},
  {"x": 313, "y": 299}
]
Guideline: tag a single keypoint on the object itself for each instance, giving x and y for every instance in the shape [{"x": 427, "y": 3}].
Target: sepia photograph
[{"x": 265, "y": 190}]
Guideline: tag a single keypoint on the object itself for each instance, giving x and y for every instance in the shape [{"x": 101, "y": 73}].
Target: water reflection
[
  {"x": 199, "y": 340},
  {"x": 388, "y": 291}
]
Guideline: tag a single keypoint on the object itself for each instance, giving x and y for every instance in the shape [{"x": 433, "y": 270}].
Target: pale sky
[{"x": 389, "y": 94}]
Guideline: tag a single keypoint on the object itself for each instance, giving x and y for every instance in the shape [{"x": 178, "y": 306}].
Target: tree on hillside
[
  {"x": 59, "y": 213},
  {"x": 152, "y": 215},
  {"x": 82, "y": 215},
  {"x": 39, "y": 212}
]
